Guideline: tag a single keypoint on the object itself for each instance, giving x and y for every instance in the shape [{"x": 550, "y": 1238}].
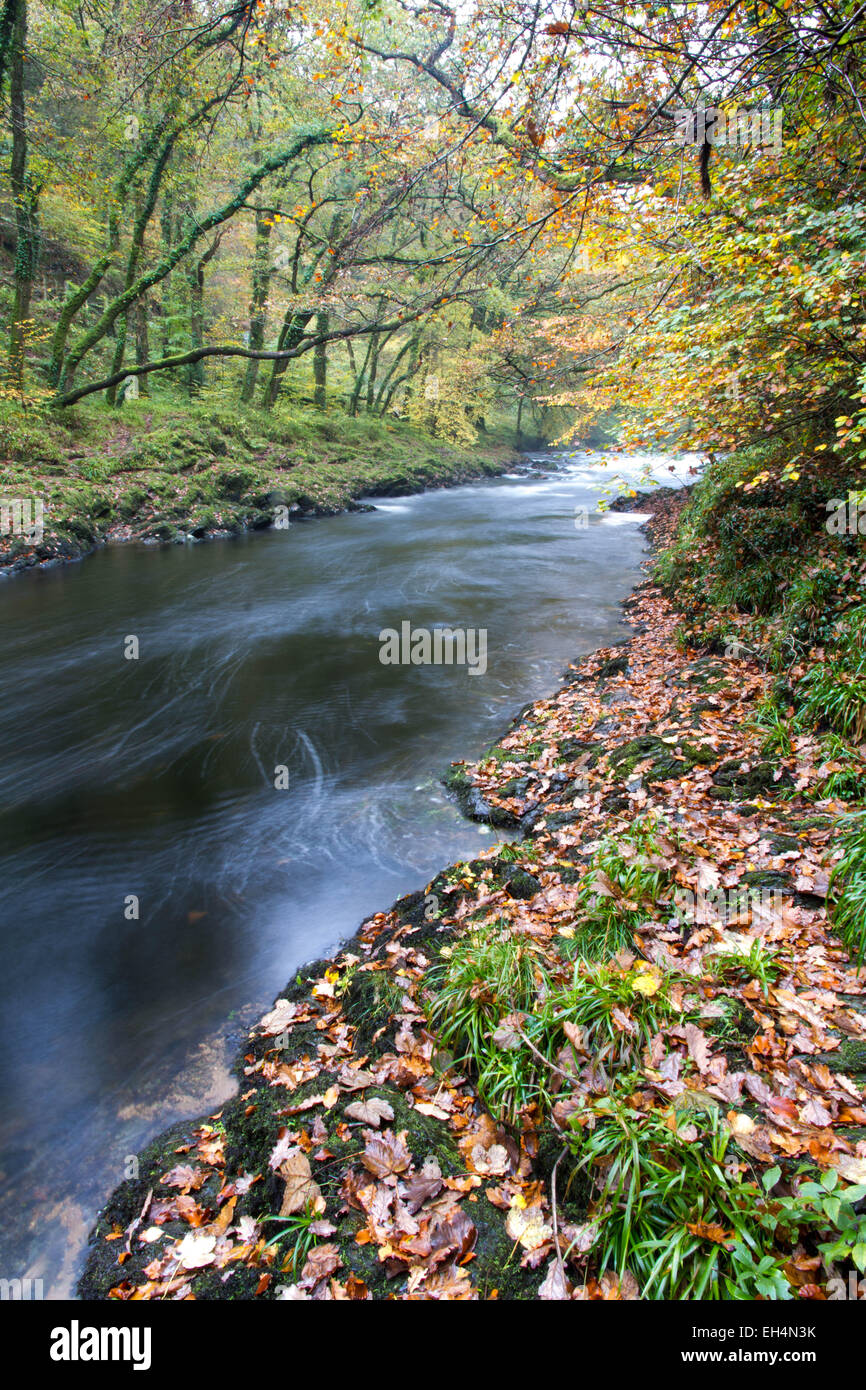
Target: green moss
[
  {"x": 733, "y": 782},
  {"x": 666, "y": 760},
  {"x": 195, "y": 469},
  {"x": 850, "y": 1057}
]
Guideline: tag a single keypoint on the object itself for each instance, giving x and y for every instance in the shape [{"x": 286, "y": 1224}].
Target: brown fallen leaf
[
  {"x": 528, "y": 1226},
  {"x": 186, "y": 1178},
  {"x": 698, "y": 1045},
  {"x": 456, "y": 1232},
  {"x": 421, "y": 1187},
  {"x": 386, "y": 1154},
  {"x": 708, "y": 1231},
  {"x": 321, "y": 1262},
  {"x": 301, "y": 1188},
  {"x": 554, "y": 1286},
  {"x": 369, "y": 1112}
]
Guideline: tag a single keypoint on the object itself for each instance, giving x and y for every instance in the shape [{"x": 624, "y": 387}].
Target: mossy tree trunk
[
  {"x": 371, "y": 374},
  {"x": 25, "y": 197},
  {"x": 142, "y": 343},
  {"x": 320, "y": 363},
  {"x": 196, "y": 270},
  {"x": 259, "y": 298},
  {"x": 291, "y": 333}
]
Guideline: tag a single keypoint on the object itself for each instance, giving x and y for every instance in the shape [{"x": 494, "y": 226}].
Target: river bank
[
  {"x": 163, "y": 475},
  {"x": 434, "y": 1111}
]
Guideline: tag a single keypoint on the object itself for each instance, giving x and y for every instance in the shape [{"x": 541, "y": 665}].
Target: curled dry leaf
[
  {"x": 301, "y": 1189},
  {"x": 527, "y": 1225},
  {"x": 194, "y": 1252},
  {"x": 575, "y": 1036},
  {"x": 186, "y": 1178},
  {"x": 321, "y": 1262},
  {"x": 423, "y": 1186},
  {"x": 282, "y": 1016},
  {"x": 354, "y": 1079},
  {"x": 435, "y": 1112},
  {"x": 369, "y": 1112},
  {"x": 854, "y": 1169},
  {"x": 456, "y": 1232},
  {"x": 612, "y": 1287},
  {"x": 710, "y": 1231},
  {"x": 508, "y": 1034},
  {"x": 699, "y": 1046},
  {"x": 554, "y": 1286},
  {"x": 386, "y": 1154},
  {"x": 579, "y": 1240}
]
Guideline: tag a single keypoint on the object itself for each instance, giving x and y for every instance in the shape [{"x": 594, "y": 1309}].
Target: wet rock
[
  {"x": 734, "y": 782},
  {"x": 522, "y": 885},
  {"x": 617, "y": 666}
]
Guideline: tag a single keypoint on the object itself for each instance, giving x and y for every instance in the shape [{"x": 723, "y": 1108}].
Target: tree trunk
[
  {"x": 291, "y": 334},
  {"x": 320, "y": 363},
  {"x": 142, "y": 344},
  {"x": 25, "y": 198},
  {"x": 353, "y": 367},
  {"x": 359, "y": 380},
  {"x": 195, "y": 375},
  {"x": 371, "y": 375},
  {"x": 165, "y": 304},
  {"x": 258, "y": 302},
  {"x": 195, "y": 371}
]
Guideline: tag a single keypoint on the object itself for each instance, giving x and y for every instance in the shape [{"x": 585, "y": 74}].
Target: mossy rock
[
  {"x": 368, "y": 1004},
  {"x": 733, "y": 782},
  {"x": 514, "y": 787},
  {"x": 782, "y": 844},
  {"x": 767, "y": 878},
  {"x": 234, "y": 482},
  {"x": 475, "y": 807},
  {"x": 571, "y": 749},
  {"x": 217, "y": 444},
  {"x": 132, "y": 502},
  {"x": 558, "y": 820},
  {"x": 616, "y": 666},
  {"x": 699, "y": 754},
  {"x": 666, "y": 760},
  {"x": 849, "y": 1058},
  {"x": 161, "y": 531},
  {"x": 522, "y": 885}
]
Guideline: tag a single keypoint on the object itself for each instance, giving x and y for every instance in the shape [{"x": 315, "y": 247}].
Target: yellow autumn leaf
[{"x": 647, "y": 981}]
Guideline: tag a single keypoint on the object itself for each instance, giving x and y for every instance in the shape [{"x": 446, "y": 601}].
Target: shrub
[
  {"x": 617, "y": 1011},
  {"x": 621, "y": 888},
  {"x": 488, "y": 976},
  {"x": 847, "y": 892}
]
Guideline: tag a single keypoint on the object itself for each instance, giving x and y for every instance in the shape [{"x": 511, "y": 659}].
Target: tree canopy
[{"x": 571, "y": 209}]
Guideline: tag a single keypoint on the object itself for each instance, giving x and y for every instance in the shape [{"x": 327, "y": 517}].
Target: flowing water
[{"x": 153, "y": 779}]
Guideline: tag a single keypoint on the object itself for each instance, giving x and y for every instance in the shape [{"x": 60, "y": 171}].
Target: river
[{"x": 146, "y": 783}]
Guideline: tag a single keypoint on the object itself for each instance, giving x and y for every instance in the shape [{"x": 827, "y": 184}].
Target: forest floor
[
  {"x": 436, "y": 1111},
  {"x": 154, "y": 472}
]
